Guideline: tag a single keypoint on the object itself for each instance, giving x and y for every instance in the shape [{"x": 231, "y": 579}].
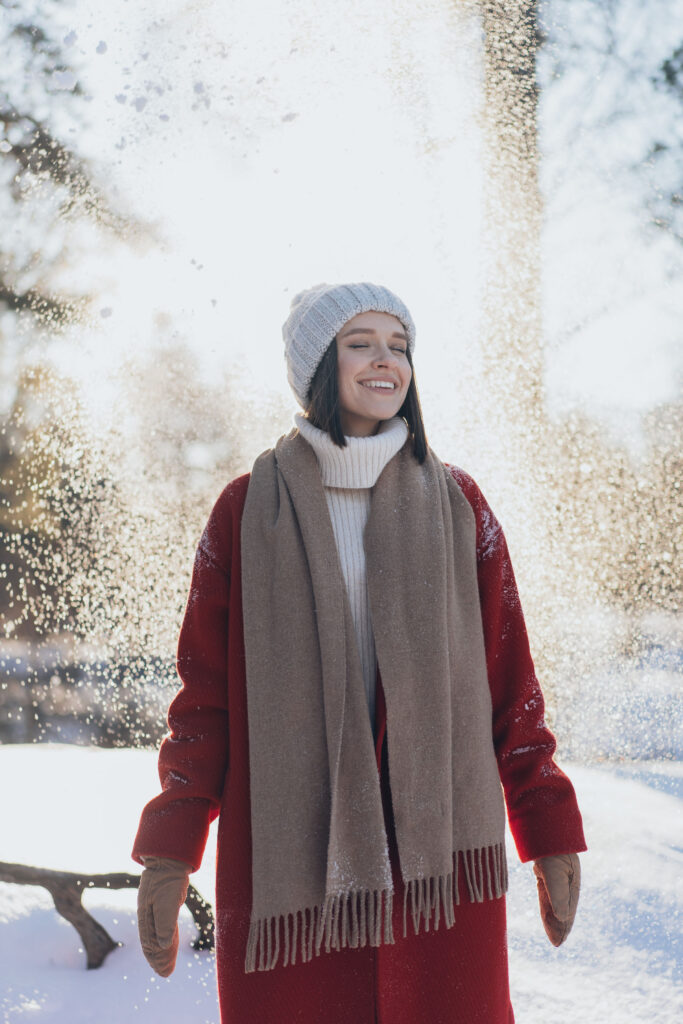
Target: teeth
[{"x": 378, "y": 384}]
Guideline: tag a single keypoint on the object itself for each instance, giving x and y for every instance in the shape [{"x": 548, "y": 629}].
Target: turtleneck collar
[{"x": 360, "y": 463}]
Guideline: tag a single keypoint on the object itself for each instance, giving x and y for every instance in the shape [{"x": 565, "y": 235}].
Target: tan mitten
[
  {"x": 559, "y": 881},
  {"x": 162, "y": 892}
]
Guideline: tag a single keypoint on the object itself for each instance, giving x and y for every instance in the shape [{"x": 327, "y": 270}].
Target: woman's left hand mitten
[
  {"x": 161, "y": 894},
  {"x": 559, "y": 881}
]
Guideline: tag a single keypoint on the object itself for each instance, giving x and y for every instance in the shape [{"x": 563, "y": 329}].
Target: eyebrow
[{"x": 371, "y": 330}]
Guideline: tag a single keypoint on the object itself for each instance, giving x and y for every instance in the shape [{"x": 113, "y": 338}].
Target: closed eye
[{"x": 361, "y": 344}]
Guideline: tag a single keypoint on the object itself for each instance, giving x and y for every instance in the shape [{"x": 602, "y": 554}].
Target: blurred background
[{"x": 171, "y": 174}]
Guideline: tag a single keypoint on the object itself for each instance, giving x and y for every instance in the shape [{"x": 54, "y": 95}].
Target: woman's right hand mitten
[{"x": 162, "y": 892}]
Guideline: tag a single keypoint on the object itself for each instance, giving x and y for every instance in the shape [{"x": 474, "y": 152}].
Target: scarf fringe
[
  {"x": 486, "y": 877},
  {"x": 354, "y": 919},
  {"x": 361, "y": 918}
]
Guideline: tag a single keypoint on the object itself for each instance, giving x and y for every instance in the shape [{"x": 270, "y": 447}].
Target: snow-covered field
[{"x": 77, "y": 808}]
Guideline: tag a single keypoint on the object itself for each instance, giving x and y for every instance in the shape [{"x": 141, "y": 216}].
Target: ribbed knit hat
[{"x": 318, "y": 313}]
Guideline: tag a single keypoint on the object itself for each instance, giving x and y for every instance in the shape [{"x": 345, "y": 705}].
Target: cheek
[
  {"x": 342, "y": 377},
  {"x": 347, "y": 367}
]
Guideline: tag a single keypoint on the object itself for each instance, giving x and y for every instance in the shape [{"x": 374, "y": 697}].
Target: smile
[{"x": 379, "y": 385}]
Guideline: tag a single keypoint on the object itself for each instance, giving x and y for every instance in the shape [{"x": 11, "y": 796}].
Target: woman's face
[{"x": 373, "y": 371}]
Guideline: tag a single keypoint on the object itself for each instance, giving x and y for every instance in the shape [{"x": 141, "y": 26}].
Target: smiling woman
[
  {"x": 359, "y": 706},
  {"x": 365, "y": 377},
  {"x": 374, "y": 372}
]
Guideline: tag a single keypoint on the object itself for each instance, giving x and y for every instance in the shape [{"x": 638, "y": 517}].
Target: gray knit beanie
[{"x": 317, "y": 314}]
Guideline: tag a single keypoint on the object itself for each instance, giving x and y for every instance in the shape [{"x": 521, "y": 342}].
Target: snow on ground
[{"x": 77, "y": 808}]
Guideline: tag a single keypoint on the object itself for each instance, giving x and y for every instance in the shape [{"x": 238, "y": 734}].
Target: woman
[{"x": 357, "y": 685}]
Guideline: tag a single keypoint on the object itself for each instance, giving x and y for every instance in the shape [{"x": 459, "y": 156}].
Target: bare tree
[
  {"x": 46, "y": 190},
  {"x": 44, "y": 183},
  {"x": 599, "y": 522},
  {"x": 623, "y": 117}
]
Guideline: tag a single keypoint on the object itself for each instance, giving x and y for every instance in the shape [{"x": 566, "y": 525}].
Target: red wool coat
[{"x": 451, "y": 976}]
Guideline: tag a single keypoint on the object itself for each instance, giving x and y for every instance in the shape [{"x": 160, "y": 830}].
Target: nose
[{"x": 385, "y": 355}]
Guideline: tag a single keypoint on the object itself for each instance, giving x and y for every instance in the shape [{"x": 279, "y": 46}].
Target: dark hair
[{"x": 324, "y": 412}]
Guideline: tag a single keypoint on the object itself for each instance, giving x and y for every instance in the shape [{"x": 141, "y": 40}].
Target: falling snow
[{"x": 134, "y": 387}]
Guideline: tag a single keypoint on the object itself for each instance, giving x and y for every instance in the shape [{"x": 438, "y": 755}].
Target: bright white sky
[{"x": 281, "y": 144}]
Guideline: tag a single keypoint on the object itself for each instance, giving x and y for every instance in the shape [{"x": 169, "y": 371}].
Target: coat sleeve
[
  {"x": 193, "y": 758},
  {"x": 542, "y": 809}
]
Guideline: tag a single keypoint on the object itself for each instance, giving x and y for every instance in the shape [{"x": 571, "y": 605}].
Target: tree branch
[
  {"x": 66, "y": 889},
  {"x": 58, "y": 311}
]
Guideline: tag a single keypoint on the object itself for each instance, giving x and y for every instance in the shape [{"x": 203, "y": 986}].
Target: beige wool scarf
[{"x": 320, "y": 859}]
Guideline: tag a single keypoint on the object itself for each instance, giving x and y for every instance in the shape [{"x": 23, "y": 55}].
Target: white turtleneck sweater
[{"x": 348, "y": 475}]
